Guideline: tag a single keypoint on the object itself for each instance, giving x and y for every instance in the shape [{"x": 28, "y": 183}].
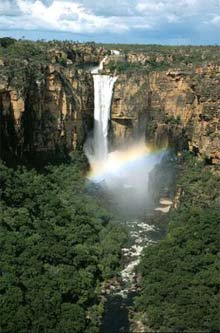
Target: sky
[{"x": 174, "y": 22}]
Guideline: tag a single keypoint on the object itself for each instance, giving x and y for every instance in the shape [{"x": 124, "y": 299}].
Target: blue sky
[{"x": 118, "y": 21}]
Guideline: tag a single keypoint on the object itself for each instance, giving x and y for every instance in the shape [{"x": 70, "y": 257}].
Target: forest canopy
[
  {"x": 180, "y": 275},
  {"x": 57, "y": 246}
]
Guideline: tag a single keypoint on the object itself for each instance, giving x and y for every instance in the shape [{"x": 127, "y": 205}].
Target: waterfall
[
  {"x": 103, "y": 86},
  {"x": 97, "y": 149},
  {"x": 99, "y": 67}
]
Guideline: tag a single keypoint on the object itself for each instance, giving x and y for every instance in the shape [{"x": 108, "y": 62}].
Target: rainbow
[{"x": 122, "y": 162}]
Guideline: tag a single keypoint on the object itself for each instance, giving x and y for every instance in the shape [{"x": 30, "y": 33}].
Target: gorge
[
  {"x": 122, "y": 173},
  {"x": 130, "y": 245}
]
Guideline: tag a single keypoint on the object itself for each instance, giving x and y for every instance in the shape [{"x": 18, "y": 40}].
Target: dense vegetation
[
  {"x": 147, "y": 58},
  {"x": 57, "y": 246},
  {"x": 157, "y": 62},
  {"x": 180, "y": 275},
  {"x": 208, "y": 51},
  {"x": 12, "y": 49},
  {"x": 17, "y": 53}
]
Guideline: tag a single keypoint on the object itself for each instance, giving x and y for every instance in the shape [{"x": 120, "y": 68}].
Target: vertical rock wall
[
  {"x": 50, "y": 117},
  {"x": 174, "y": 108}
]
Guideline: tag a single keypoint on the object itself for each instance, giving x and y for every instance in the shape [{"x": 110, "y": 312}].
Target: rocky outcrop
[
  {"x": 46, "y": 97},
  {"x": 47, "y": 117},
  {"x": 145, "y": 58},
  {"x": 129, "y": 108},
  {"x": 176, "y": 108},
  {"x": 75, "y": 53}
]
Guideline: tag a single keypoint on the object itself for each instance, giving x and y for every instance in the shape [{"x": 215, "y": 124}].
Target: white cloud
[
  {"x": 4, "y": 6},
  {"x": 67, "y": 16},
  {"x": 167, "y": 9},
  {"x": 171, "y": 19},
  {"x": 148, "y": 7},
  {"x": 143, "y": 26},
  {"x": 216, "y": 20},
  {"x": 9, "y": 8},
  {"x": 121, "y": 8}
]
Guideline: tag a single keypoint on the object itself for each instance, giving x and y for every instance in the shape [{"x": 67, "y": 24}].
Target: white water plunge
[
  {"x": 103, "y": 86},
  {"x": 97, "y": 148}
]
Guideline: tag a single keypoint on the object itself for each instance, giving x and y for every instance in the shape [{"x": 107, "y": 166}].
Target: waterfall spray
[{"x": 124, "y": 173}]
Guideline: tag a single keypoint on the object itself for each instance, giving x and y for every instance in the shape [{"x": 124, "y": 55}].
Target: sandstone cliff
[
  {"x": 173, "y": 107},
  {"x": 47, "y": 98},
  {"x": 53, "y": 115}
]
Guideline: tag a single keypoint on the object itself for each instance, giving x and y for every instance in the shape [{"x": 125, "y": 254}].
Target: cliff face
[
  {"x": 129, "y": 108},
  {"x": 50, "y": 116},
  {"x": 175, "y": 108},
  {"x": 47, "y": 99}
]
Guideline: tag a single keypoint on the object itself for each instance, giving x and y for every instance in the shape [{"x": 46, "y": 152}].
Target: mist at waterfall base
[{"x": 124, "y": 175}]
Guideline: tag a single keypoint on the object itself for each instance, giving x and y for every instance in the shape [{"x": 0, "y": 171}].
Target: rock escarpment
[
  {"x": 173, "y": 107},
  {"x": 52, "y": 115},
  {"x": 129, "y": 108},
  {"x": 169, "y": 95},
  {"x": 46, "y": 99}
]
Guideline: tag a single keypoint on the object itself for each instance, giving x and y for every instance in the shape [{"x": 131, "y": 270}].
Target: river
[{"x": 121, "y": 293}]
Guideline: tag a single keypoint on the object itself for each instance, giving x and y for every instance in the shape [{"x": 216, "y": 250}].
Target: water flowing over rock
[
  {"x": 100, "y": 67},
  {"x": 103, "y": 91},
  {"x": 103, "y": 86}
]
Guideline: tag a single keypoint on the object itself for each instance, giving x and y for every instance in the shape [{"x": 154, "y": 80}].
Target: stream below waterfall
[{"x": 121, "y": 293}]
